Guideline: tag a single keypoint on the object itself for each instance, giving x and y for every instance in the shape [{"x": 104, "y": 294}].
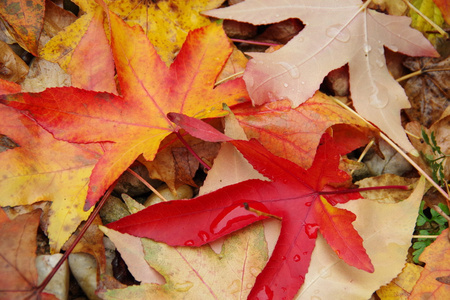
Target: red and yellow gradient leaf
[
  {"x": 136, "y": 123},
  {"x": 41, "y": 168},
  {"x": 293, "y": 194}
]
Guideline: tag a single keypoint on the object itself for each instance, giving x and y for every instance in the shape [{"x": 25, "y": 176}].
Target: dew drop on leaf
[
  {"x": 367, "y": 48},
  {"x": 230, "y": 216},
  {"x": 255, "y": 271},
  {"x": 189, "y": 243},
  {"x": 339, "y": 33},
  {"x": 393, "y": 48},
  {"x": 379, "y": 63},
  {"x": 296, "y": 258},
  {"x": 286, "y": 85},
  {"x": 203, "y": 236},
  {"x": 308, "y": 203},
  {"x": 376, "y": 102},
  {"x": 292, "y": 69},
  {"x": 234, "y": 287},
  {"x": 311, "y": 230},
  {"x": 283, "y": 257},
  {"x": 265, "y": 294}
]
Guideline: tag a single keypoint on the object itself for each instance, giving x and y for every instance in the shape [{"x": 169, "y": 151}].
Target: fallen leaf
[
  {"x": 444, "y": 6},
  {"x": 429, "y": 91},
  {"x": 386, "y": 230},
  {"x": 401, "y": 286},
  {"x": 92, "y": 68},
  {"x": 25, "y": 19},
  {"x": 18, "y": 275},
  {"x": 44, "y": 74},
  {"x": 436, "y": 258},
  {"x": 136, "y": 123},
  {"x": 8, "y": 87},
  {"x": 336, "y": 33},
  {"x": 166, "y": 24},
  {"x": 294, "y": 134},
  {"x": 42, "y": 168},
  {"x": 429, "y": 9},
  {"x": 294, "y": 194},
  {"x": 91, "y": 243},
  {"x": 199, "y": 273},
  {"x": 175, "y": 165},
  {"x": 12, "y": 67}
]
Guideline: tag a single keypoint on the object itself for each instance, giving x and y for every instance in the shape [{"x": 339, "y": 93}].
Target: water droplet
[
  {"x": 249, "y": 285},
  {"x": 338, "y": 252},
  {"x": 189, "y": 243},
  {"x": 203, "y": 236},
  {"x": 271, "y": 97},
  {"x": 234, "y": 287},
  {"x": 379, "y": 63},
  {"x": 255, "y": 271},
  {"x": 311, "y": 230},
  {"x": 277, "y": 15},
  {"x": 230, "y": 216},
  {"x": 264, "y": 294},
  {"x": 296, "y": 258},
  {"x": 367, "y": 48},
  {"x": 308, "y": 203},
  {"x": 293, "y": 70},
  {"x": 286, "y": 85},
  {"x": 393, "y": 48},
  {"x": 300, "y": 39},
  {"x": 376, "y": 101},
  {"x": 283, "y": 258},
  {"x": 302, "y": 82},
  {"x": 325, "y": 273},
  {"x": 315, "y": 298},
  {"x": 305, "y": 253},
  {"x": 339, "y": 33},
  {"x": 381, "y": 49},
  {"x": 183, "y": 287}
]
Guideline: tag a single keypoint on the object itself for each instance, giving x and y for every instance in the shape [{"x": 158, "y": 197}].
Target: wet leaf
[{"x": 335, "y": 34}]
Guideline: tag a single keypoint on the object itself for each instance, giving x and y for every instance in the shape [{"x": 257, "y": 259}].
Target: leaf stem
[
  {"x": 348, "y": 191},
  {"x": 147, "y": 184},
  {"x": 439, "y": 29},
  {"x": 83, "y": 230},
  {"x": 397, "y": 148},
  {"x": 200, "y": 160},
  {"x": 407, "y": 76},
  {"x": 254, "y": 42}
]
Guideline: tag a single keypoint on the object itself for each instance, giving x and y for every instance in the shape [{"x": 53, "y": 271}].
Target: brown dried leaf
[
  {"x": 12, "y": 67},
  {"x": 430, "y": 91}
]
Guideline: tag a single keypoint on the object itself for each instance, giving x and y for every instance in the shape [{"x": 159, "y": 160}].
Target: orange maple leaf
[{"x": 136, "y": 122}]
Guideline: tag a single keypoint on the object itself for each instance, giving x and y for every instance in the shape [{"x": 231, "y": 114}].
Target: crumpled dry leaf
[
  {"x": 429, "y": 92},
  {"x": 12, "y": 67},
  {"x": 175, "y": 165}
]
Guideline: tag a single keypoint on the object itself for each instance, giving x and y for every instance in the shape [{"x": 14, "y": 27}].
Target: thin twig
[
  {"x": 435, "y": 26},
  {"x": 229, "y": 77},
  {"x": 416, "y": 73},
  {"x": 147, "y": 184},
  {"x": 441, "y": 212},
  {"x": 83, "y": 230},
  {"x": 397, "y": 148},
  {"x": 425, "y": 236},
  {"x": 366, "y": 149}
]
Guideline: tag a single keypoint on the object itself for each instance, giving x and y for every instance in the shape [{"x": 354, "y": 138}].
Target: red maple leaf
[{"x": 303, "y": 199}]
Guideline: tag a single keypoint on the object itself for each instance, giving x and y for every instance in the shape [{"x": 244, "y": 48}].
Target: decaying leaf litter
[{"x": 92, "y": 131}]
